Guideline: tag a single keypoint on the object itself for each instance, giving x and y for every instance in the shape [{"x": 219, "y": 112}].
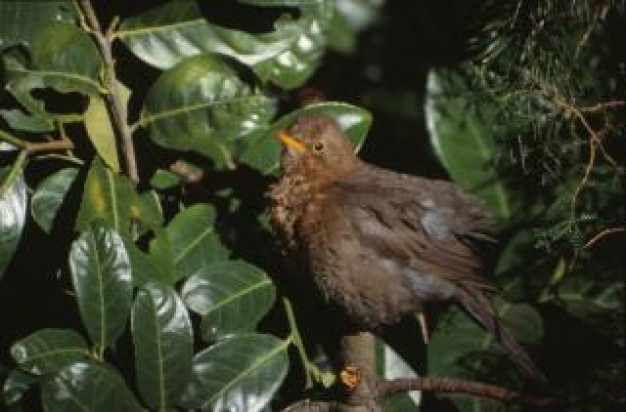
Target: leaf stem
[
  {"x": 296, "y": 339},
  {"x": 15, "y": 168},
  {"x": 114, "y": 100}
]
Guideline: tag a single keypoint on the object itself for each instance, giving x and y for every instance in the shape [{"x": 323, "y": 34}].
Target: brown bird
[{"x": 380, "y": 243}]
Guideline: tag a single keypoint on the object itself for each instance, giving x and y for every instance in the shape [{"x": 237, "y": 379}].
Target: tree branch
[
  {"x": 454, "y": 385},
  {"x": 114, "y": 101}
]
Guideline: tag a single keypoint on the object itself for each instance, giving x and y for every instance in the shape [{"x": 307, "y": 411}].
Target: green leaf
[
  {"x": 230, "y": 296},
  {"x": 88, "y": 386},
  {"x": 201, "y": 105},
  {"x": 49, "y": 196},
  {"x": 101, "y": 133},
  {"x": 107, "y": 196},
  {"x": 263, "y": 151},
  {"x": 349, "y": 18},
  {"x": 148, "y": 211},
  {"x": 49, "y": 350},
  {"x": 18, "y": 120},
  {"x": 16, "y": 384},
  {"x": 101, "y": 275},
  {"x": 62, "y": 57},
  {"x": 164, "y": 179},
  {"x": 461, "y": 134},
  {"x": 287, "y": 56},
  {"x": 20, "y": 21},
  {"x": 12, "y": 214},
  {"x": 189, "y": 241},
  {"x": 239, "y": 373},
  {"x": 163, "y": 341},
  {"x": 596, "y": 303},
  {"x": 146, "y": 267}
]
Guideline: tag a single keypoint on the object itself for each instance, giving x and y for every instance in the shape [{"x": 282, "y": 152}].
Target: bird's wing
[{"x": 416, "y": 221}]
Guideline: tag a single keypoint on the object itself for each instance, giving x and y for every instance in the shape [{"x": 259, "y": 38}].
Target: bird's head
[{"x": 316, "y": 145}]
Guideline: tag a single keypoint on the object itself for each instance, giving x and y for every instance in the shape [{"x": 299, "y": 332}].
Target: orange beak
[{"x": 291, "y": 142}]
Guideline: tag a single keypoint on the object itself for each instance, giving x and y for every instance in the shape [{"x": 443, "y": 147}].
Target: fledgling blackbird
[{"x": 380, "y": 243}]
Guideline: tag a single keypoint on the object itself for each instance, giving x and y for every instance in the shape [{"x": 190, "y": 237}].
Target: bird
[{"x": 379, "y": 244}]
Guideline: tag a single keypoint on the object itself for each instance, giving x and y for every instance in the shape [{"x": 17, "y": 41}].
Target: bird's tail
[{"x": 479, "y": 307}]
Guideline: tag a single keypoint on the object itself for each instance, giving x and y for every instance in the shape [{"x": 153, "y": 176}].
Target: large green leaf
[
  {"x": 163, "y": 341},
  {"x": 203, "y": 106},
  {"x": 20, "y": 21},
  {"x": 49, "y": 196},
  {"x": 101, "y": 275},
  {"x": 88, "y": 387},
  {"x": 16, "y": 384},
  {"x": 597, "y": 303},
  {"x": 12, "y": 214},
  {"x": 167, "y": 35},
  {"x": 230, "y": 296},
  {"x": 49, "y": 350},
  {"x": 63, "y": 57},
  {"x": 461, "y": 134},
  {"x": 107, "y": 196},
  {"x": 239, "y": 373},
  {"x": 263, "y": 150},
  {"x": 189, "y": 242}
]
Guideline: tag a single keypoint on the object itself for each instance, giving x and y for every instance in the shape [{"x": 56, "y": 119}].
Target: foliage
[{"x": 169, "y": 293}]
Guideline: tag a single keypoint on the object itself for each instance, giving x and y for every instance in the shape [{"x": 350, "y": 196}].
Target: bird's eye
[{"x": 318, "y": 147}]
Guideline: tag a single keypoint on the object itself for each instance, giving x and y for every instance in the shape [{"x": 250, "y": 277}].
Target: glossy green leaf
[
  {"x": 190, "y": 241},
  {"x": 349, "y": 18},
  {"x": 49, "y": 196},
  {"x": 147, "y": 267},
  {"x": 239, "y": 373},
  {"x": 462, "y": 136},
  {"x": 263, "y": 150},
  {"x": 101, "y": 275},
  {"x": 12, "y": 214},
  {"x": 63, "y": 57},
  {"x": 88, "y": 386},
  {"x": 201, "y": 105},
  {"x": 101, "y": 133},
  {"x": 20, "y": 21},
  {"x": 230, "y": 296},
  {"x": 18, "y": 120},
  {"x": 16, "y": 384},
  {"x": 163, "y": 341},
  {"x": 107, "y": 196},
  {"x": 49, "y": 350},
  {"x": 287, "y": 56}
]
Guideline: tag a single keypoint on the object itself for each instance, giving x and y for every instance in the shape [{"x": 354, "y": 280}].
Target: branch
[
  {"x": 114, "y": 102},
  {"x": 52, "y": 146},
  {"x": 454, "y": 385}
]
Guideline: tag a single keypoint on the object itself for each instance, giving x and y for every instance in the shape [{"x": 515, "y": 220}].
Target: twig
[
  {"x": 603, "y": 234},
  {"x": 603, "y": 106},
  {"x": 52, "y": 146},
  {"x": 454, "y": 385},
  {"x": 115, "y": 105}
]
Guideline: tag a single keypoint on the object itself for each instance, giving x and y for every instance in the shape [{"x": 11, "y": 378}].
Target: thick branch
[{"x": 114, "y": 101}]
